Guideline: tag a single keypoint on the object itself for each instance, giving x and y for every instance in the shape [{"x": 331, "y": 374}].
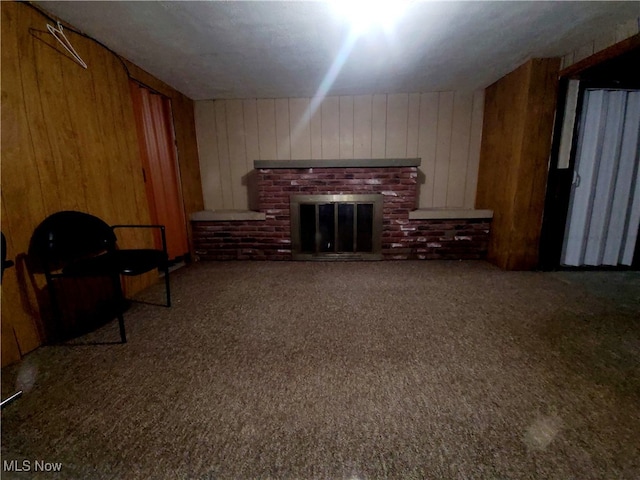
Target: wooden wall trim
[{"x": 613, "y": 51}]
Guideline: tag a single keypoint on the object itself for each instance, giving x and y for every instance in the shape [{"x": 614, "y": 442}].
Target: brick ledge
[{"x": 227, "y": 215}]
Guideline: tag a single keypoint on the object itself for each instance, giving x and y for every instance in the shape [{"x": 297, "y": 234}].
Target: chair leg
[
  {"x": 123, "y": 333},
  {"x": 56, "y": 312},
  {"x": 117, "y": 286},
  {"x": 166, "y": 283}
]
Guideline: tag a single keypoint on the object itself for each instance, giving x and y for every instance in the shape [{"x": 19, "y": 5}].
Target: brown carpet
[{"x": 438, "y": 370}]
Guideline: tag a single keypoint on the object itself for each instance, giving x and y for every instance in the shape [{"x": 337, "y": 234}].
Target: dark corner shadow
[
  {"x": 36, "y": 303},
  {"x": 421, "y": 180},
  {"x": 144, "y": 302},
  {"x": 250, "y": 180},
  {"x": 27, "y": 283},
  {"x": 71, "y": 343}
]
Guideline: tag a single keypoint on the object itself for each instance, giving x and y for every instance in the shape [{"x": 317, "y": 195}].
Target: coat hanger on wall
[{"x": 60, "y": 36}]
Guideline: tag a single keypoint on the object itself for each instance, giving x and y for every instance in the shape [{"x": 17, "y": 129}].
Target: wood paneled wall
[
  {"x": 516, "y": 141},
  {"x": 69, "y": 142},
  {"x": 443, "y": 128}
]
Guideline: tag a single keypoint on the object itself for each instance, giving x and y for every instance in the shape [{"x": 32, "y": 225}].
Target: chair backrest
[{"x": 69, "y": 235}]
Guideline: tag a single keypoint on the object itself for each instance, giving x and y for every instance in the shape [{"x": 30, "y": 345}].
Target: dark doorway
[{"x": 616, "y": 71}]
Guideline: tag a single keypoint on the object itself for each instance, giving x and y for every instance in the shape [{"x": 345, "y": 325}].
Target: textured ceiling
[{"x": 216, "y": 49}]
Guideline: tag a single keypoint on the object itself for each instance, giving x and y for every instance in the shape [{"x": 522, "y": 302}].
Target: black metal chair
[{"x": 76, "y": 244}]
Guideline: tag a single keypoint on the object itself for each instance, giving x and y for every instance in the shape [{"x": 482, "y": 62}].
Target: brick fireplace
[{"x": 406, "y": 233}]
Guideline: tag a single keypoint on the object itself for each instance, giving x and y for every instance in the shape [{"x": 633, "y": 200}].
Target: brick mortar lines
[{"x": 401, "y": 237}]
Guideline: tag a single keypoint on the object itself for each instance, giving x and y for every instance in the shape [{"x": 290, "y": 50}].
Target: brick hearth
[{"x": 269, "y": 238}]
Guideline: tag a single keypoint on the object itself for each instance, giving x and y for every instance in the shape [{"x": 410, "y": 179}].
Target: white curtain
[{"x": 604, "y": 210}]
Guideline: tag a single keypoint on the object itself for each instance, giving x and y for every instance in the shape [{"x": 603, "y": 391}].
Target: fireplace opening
[{"x": 336, "y": 227}]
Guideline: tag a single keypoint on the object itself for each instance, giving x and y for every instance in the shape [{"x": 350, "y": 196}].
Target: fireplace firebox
[{"x": 336, "y": 227}]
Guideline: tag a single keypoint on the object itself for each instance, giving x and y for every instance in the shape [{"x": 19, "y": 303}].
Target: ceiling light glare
[{"x": 363, "y": 15}]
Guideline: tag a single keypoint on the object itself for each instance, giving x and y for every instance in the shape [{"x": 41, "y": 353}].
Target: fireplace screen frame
[{"x": 376, "y": 200}]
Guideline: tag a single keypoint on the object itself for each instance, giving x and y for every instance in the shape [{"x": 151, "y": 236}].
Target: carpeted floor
[{"x": 436, "y": 370}]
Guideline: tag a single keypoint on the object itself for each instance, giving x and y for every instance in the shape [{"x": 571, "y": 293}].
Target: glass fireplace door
[{"x": 336, "y": 226}]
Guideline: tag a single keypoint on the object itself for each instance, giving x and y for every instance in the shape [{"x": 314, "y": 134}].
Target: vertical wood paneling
[
  {"x": 250, "y": 111},
  {"x": 299, "y": 126},
  {"x": 427, "y": 140},
  {"x": 500, "y": 138},
  {"x": 378, "y": 126},
  {"x": 516, "y": 138},
  {"x": 460, "y": 137},
  {"x": 205, "y": 114},
  {"x": 396, "y": 125},
  {"x": 267, "y": 129},
  {"x": 283, "y": 142},
  {"x": 315, "y": 128},
  {"x": 18, "y": 151},
  {"x": 443, "y": 129},
  {"x": 51, "y": 170},
  {"x": 534, "y": 161},
  {"x": 64, "y": 151},
  {"x": 346, "y": 127},
  {"x": 220, "y": 107},
  {"x": 362, "y": 126},
  {"x": 20, "y": 181},
  {"x": 443, "y": 148},
  {"x": 187, "y": 144},
  {"x": 471, "y": 181},
  {"x": 120, "y": 102},
  {"x": 69, "y": 141},
  {"x": 237, "y": 151},
  {"x": 330, "y": 110},
  {"x": 413, "y": 125},
  {"x": 22, "y": 195},
  {"x": 106, "y": 128},
  {"x": 91, "y": 141}
]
